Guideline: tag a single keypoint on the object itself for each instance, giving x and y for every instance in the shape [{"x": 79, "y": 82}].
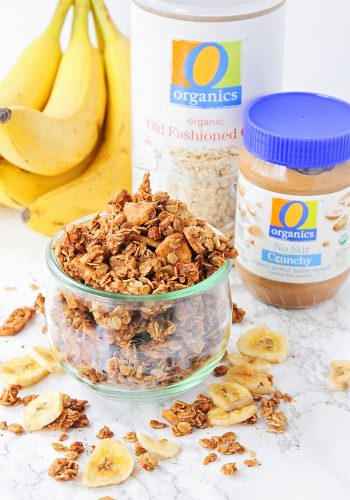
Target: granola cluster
[
  {"x": 146, "y": 244},
  {"x": 276, "y": 420},
  {"x": 63, "y": 469},
  {"x": 104, "y": 432},
  {"x": 16, "y": 321},
  {"x": 148, "y": 461},
  {"x": 9, "y": 396},
  {"x": 225, "y": 444},
  {"x": 72, "y": 415},
  {"x": 237, "y": 313},
  {"x": 184, "y": 416}
]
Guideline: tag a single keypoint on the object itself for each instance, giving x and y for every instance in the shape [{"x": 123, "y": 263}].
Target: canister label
[
  {"x": 206, "y": 74},
  {"x": 293, "y": 239}
]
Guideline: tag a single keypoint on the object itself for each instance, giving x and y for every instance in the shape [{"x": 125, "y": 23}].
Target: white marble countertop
[{"x": 310, "y": 461}]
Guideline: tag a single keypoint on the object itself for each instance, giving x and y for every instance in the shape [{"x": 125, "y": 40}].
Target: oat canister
[{"x": 195, "y": 65}]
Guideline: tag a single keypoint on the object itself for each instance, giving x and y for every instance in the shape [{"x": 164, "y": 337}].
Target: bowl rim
[{"x": 209, "y": 283}]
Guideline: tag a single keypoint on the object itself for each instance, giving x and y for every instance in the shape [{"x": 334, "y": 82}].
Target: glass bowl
[{"x": 138, "y": 348}]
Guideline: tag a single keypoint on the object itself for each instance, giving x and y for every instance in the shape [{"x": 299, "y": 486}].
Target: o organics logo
[
  {"x": 206, "y": 74},
  {"x": 293, "y": 220}
]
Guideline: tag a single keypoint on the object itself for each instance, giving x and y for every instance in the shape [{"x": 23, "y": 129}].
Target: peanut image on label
[{"x": 341, "y": 223}]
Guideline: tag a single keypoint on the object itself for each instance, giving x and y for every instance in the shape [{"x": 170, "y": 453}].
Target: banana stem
[
  {"x": 99, "y": 35},
  {"x": 56, "y": 23},
  {"x": 104, "y": 21},
  {"x": 81, "y": 20}
]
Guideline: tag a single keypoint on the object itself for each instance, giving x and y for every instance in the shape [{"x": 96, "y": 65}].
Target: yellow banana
[
  {"x": 30, "y": 80},
  {"x": 111, "y": 169},
  {"x": 20, "y": 188},
  {"x": 55, "y": 140}
]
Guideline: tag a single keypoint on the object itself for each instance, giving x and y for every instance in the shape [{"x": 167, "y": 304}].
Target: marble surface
[{"x": 310, "y": 461}]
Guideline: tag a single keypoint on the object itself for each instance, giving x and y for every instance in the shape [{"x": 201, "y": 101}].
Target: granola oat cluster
[
  {"x": 63, "y": 469},
  {"x": 184, "y": 416},
  {"x": 145, "y": 244},
  {"x": 72, "y": 415},
  {"x": 9, "y": 396}
]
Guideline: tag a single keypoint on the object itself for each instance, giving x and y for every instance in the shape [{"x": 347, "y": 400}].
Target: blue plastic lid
[{"x": 298, "y": 129}]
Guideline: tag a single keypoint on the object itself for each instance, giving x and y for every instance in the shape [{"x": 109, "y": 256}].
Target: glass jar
[
  {"x": 180, "y": 336},
  {"x": 293, "y": 208}
]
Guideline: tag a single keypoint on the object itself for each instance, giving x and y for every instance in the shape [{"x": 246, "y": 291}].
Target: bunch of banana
[
  {"x": 248, "y": 376},
  {"x": 61, "y": 163}
]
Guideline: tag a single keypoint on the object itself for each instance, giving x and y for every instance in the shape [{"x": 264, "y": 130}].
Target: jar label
[
  {"x": 190, "y": 82},
  {"x": 293, "y": 239}
]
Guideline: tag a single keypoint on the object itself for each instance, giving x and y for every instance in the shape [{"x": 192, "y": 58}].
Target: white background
[{"x": 317, "y": 52}]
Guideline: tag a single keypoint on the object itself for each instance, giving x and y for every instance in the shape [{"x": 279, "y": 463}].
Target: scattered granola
[
  {"x": 77, "y": 446},
  {"x": 105, "y": 498},
  {"x": 155, "y": 424},
  {"x": 210, "y": 458},
  {"x": 130, "y": 437},
  {"x": 63, "y": 469},
  {"x": 229, "y": 469},
  {"x": 3, "y": 425},
  {"x": 209, "y": 443},
  {"x": 33, "y": 287},
  {"x": 139, "y": 450},
  {"x": 250, "y": 462},
  {"x": 59, "y": 447},
  {"x": 184, "y": 416},
  {"x": 230, "y": 448},
  {"x": 16, "y": 321},
  {"x": 15, "y": 428},
  {"x": 63, "y": 437},
  {"x": 40, "y": 303},
  {"x": 220, "y": 370},
  {"x": 72, "y": 415},
  {"x": 276, "y": 420},
  {"x": 72, "y": 455},
  {"x": 146, "y": 244},
  {"x": 252, "y": 420},
  {"x": 237, "y": 314},
  {"x": 227, "y": 437},
  {"x": 27, "y": 399},
  {"x": 104, "y": 432},
  {"x": 148, "y": 461},
  {"x": 252, "y": 454},
  {"x": 9, "y": 396}
]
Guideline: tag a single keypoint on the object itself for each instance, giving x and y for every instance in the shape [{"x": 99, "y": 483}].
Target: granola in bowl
[{"x": 140, "y": 299}]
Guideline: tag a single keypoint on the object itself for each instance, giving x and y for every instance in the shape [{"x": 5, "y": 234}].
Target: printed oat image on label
[
  {"x": 293, "y": 220},
  {"x": 206, "y": 74}
]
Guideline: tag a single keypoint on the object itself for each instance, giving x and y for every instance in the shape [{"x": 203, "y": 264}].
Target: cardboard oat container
[{"x": 195, "y": 66}]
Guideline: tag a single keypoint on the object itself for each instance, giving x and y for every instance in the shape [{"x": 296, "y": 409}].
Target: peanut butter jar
[{"x": 293, "y": 198}]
